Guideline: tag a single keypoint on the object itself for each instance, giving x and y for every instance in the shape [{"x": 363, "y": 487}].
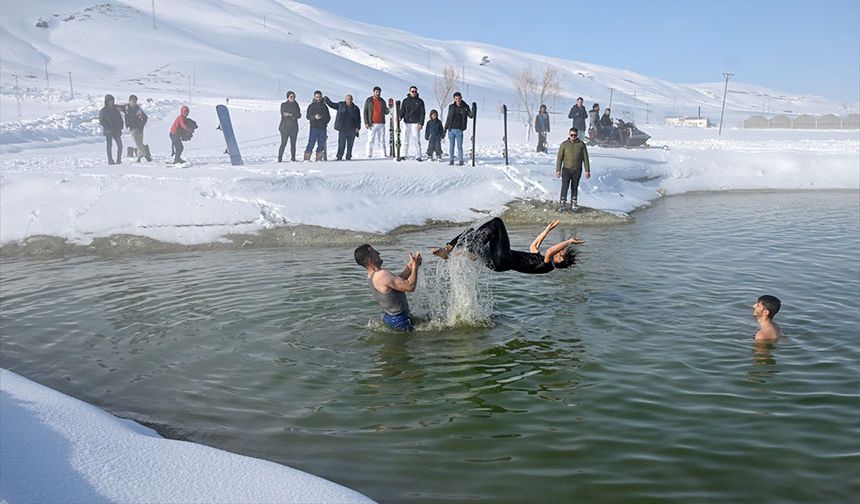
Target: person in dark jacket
[
  {"x": 542, "y": 127},
  {"x": 572, "y": 153},
  {"x": 433, "y": 133},
  {"x": 375, "y": 110},
  {"x": 289, "y": 127},
  {"x": 578, "y": 114},
  {"x": 347, "y": 123},
  {"x": 594, "y": 121},
  {"x": 135, "y": 121},
  {"x": 456, "y": 123},
  {"x": 606, "y": 124},
  {"x": 111, "y": 122},
  {"x": 318, "y": 116},
  {"x": 412, "y": 113}
]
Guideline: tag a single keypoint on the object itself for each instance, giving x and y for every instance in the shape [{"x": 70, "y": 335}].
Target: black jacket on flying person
[
  {"x": 458, "y": 117},
  {"x": 348, "y": 117},
  {"x": 290, "y": 124},
  {"x": 318, "y": 108},
  {"x": 412, "y": 110}
]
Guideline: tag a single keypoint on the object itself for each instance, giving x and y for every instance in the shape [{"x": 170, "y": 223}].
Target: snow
[
  {"x": 59, "y": 449},
  {"x": 54, "y": 179}
]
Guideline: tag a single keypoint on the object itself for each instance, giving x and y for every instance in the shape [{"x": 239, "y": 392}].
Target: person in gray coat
[
  {"x": 578, "y": 114},
  {"x": 112, "y": 124}
]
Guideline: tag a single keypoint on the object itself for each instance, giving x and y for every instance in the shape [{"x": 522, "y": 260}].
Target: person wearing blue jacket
[
  {"x": 433, "y": 133},
  {"x": 347, "y": 123}
]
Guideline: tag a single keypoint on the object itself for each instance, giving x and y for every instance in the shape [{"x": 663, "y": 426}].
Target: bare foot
[{"x": 441, "y": 252}]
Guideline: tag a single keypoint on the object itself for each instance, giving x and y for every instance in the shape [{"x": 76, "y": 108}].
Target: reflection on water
[
  {"x": 764, "y": 364},
  {"x": 629, "y": 378}
]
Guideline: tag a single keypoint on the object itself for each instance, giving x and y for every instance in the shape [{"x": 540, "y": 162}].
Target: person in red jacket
[{"x": 179, "y": 129}]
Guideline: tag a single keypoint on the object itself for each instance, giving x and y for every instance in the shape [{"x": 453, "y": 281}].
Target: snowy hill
[
  {"x": 254, "y": 48},
  {"x": 55, "y": 181}
]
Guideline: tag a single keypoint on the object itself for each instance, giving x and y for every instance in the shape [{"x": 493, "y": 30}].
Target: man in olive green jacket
[{"x": 568, "y": 166}]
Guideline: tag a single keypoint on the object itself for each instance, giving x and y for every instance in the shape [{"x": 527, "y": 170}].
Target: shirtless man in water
[
  {"x": 390, "y": 289},
  {"x": 764, "y": 309},
  {"x": 490, "y": 243}
]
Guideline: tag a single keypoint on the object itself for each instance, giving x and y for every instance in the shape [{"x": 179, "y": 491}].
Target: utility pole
[
  {"x": 634, "y": 104},
  {"x": 265, "y": 27},
  {"x": 647, "y": 112},
  {"x": 18, "y": 98},
  {"x": 611, "y": 90},
  {"x": 71, "y": 88},
  {"x": 153, "y": 14},
  {"x": 727, "y": 75},
  {"x": 47, "y": 79}
]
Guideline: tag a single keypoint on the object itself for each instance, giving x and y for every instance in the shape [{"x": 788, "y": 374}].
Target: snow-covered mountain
[{"x": 262, "y": 48}]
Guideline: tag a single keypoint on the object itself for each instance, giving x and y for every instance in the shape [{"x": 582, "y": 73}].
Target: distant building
[
  {"x": 804, "y": 121},
  {"x": 830, "y": 121},
  {"x": 756, "y": 122},
  {"x": 779, "y": 122},
  {"x": 689, "y": 122},
  {"x": 851, "y": 121}
]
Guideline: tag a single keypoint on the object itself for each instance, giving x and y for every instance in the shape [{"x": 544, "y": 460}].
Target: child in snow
[
  {"x": 433, "y": 133},
  {"x": 182, "y": 129}
]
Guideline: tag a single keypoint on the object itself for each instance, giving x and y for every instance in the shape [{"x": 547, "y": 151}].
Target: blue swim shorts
[{"x": 401, "y": 321}]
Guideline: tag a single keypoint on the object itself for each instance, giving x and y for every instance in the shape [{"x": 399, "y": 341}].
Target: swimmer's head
[
  {"x": 564, "y": 259},
  {"x": 366, "y": 255},
  {"x": 770, "y": 303}
]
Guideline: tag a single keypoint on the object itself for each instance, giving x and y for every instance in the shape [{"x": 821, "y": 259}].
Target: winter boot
[
  {"x": 146, "y": 153},
  {"x": 451, "y": 163},
  {"x": 573, "y": 206},
  {"x": 562, "y": 206},
  {"x": 319, "y": 156},
  {"x": 307, "y": 155}
]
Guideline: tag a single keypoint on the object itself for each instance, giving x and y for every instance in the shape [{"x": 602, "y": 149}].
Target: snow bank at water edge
[{"x": 60, "y": 449}]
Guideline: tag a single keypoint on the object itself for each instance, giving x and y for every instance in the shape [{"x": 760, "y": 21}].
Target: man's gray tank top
[{"x": 393, "y": 302}]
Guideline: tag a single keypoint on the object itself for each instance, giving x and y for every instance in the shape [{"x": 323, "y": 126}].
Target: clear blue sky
[{"x": 810, "y": 47}]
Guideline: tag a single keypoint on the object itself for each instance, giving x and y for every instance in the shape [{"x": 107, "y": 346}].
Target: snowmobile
[{"x": 622, "y": 134}]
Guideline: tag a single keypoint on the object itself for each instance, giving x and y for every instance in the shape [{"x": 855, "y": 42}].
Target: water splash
[{"x": 455, "y": 293}]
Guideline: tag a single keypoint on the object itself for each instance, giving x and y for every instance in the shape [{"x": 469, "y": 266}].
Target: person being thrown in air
[{"x": 490, "y": 243}]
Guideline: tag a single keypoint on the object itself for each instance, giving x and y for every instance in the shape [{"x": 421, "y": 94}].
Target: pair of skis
[{"x": 394, "y": 128}]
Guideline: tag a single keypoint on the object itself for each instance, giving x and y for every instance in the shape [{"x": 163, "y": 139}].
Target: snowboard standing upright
[
  {"x": 397, "y": 128},
  {"x": 474, "y": 120},
  {"x": 226, "y": 126}
]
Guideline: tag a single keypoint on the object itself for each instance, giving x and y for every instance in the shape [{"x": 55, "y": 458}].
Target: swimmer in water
[
  {"x": 490, "y": 243},
  {"x": 390, "y": 289},
  {"x": 764, "y": 309}
]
